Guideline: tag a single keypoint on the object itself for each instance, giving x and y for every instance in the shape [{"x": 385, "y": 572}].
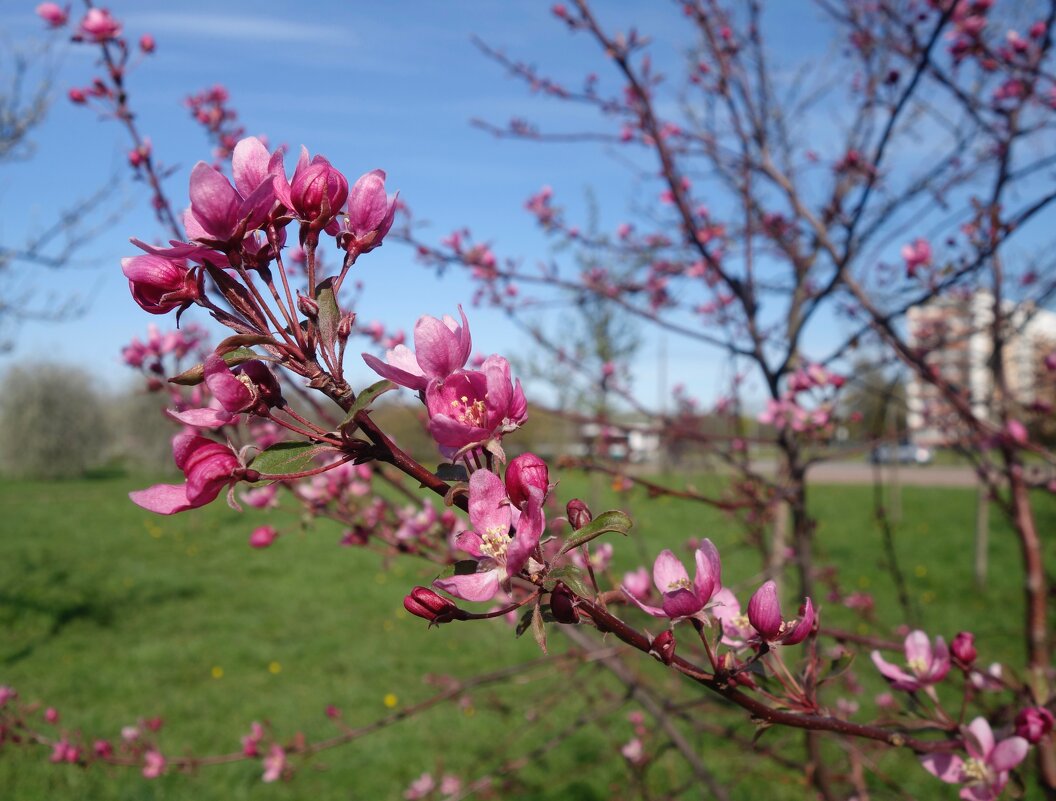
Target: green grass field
[{"x": 109, "y": 613}]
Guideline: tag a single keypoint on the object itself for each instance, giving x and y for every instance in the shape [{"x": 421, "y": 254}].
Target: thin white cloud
[{"x": 246, "y": 27}]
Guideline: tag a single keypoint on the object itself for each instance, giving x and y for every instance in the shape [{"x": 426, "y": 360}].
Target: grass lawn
[{"x": 109, "y": 614}]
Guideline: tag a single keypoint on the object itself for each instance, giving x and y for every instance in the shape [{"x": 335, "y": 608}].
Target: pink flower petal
[
  {"x": 163, "y": 499},
  {"x": 472, "y": 587}
]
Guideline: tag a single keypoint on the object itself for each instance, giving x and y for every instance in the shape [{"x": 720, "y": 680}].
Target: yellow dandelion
[
  {"x": 920, "y": 571},
  {"x": 217, "y": 672},
  {"x": 274, "y": 668},
  {"x": 390, "y": 700}
]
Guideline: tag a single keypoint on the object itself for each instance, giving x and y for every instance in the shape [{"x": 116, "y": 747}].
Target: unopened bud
[
  {"x": 963, "y": 649},
  {"x": 526, "y": 473},
  {"x": 663, "y": 647},
  {"x": 430, "y": 606},
  {"x": 562, "y": 604},
  {"x": 578, "y": 513},
  {"x": 344, "y": 326},
  {"x": 308, "y": 307},
  {"x": 1033, "y": 723},
  {"x": 77, "y": 96}
]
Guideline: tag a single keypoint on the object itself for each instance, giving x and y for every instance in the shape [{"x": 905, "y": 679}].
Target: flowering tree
[{"x": 764, "y": 229}]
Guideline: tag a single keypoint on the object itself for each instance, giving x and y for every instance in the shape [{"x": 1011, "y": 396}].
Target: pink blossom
[
  {"x": 985, "y": 772},
  {"x": 251, "y": 742},
  {"x": 221, "y": 212},
  {"x": 263, "y": 536},
  {"x": 274, "y": 763},
  {"x": 51, "y": 715},
  {"x": 440, "y": 348},
  {"x": 736, "y": 630},
  {"x": 64, "y": 751},
  {"x": 370, "y": 213},
  {"x": 764, "y": 614},
  {"x": 501, "y": 556},
  {"x": 637, "y": 583},
  {"x": 475, "y": 408},
  {"x": 208, "y": 466},
  {"x": 633, "y": 751},
  {"x": 153, "y": 764},
  {"x": 7, "y": 694},
  {"x": 160, "y": 285},
  {"x": 682, "y": 598},
  {"x": 916, "y": 254},
  {"x": 53, "y": 14},
  {"x": 1017, "y": 432},
  {"x": 316, "y": 192},
  {"x": 147, "y": 43},
  {"x": 420, "y": 787},
  {"x": 450, "y": 785},
  {"x": 99, "y": 26},
  {"x": 927, "y": 665},
  {"x": 262, "y": 497}
]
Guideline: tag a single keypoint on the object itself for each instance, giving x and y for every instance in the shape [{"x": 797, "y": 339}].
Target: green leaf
[
  {"x": 524, "y": 622},
  {"x": 287, "y": 458},
  {"x": 238, "y": 340},
  {"x": 194, "y": 376},
  {"x": 329, "y": 312},
  {"x": 363, "y": 401},
  {"x": 605, "y": 522},
  {"x": 573, "y": 577}
]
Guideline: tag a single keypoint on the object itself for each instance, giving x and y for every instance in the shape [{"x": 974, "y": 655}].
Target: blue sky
[{"x": 390, "y": 85}]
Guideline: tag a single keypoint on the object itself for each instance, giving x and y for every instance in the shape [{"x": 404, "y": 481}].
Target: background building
[{"x": 954, "y": 330}]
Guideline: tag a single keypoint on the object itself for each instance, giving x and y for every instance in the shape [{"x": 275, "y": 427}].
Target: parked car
[{"x": 903, "y": 453}]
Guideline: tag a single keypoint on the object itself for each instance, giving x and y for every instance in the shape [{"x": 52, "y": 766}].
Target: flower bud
[
  {"x": 51, "y": 715},
  {"x": 578, "y": 513},
  {"x": 963, "y": 649},
  {"x": 663, "y": 647},
  {"x": 370, "y": 213},
  {"x": 1033, "y": 723},
  {"x": 562, "y": 604},
  {"x": 764, "y": 611},
  {"x": 77, "y": 96},
  {"x": 53, "y": 14},
  {"x": 526, "y": 473},
  {"x": 431, "y": 606},
  {"x": 147, "y": 43},
  {"x": 98, "y": 26},
  {"x": 159, "y": 285},
  {"x": 103, "y": 749},
  {"x": 308, "y": 307},
  {"x": 344, "y": 326},
  {"x": 263, "y": 536},
  {"x": 318, "y": 191}
]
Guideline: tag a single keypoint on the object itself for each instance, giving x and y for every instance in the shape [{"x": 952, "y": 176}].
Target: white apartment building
[{"x": 956, "y": 330}]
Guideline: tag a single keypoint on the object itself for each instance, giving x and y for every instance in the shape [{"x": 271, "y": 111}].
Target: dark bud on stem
[
  {"x": 578, "y": 513},
  {"x": 963, "y": 649},
  {"x": 344, "y": 326},
  {"x": 308, "y": 307},
  {"x": 562, "y": 604},
  {"x": 426, "y": 604},
  {"x": 663, "y": 647}
]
